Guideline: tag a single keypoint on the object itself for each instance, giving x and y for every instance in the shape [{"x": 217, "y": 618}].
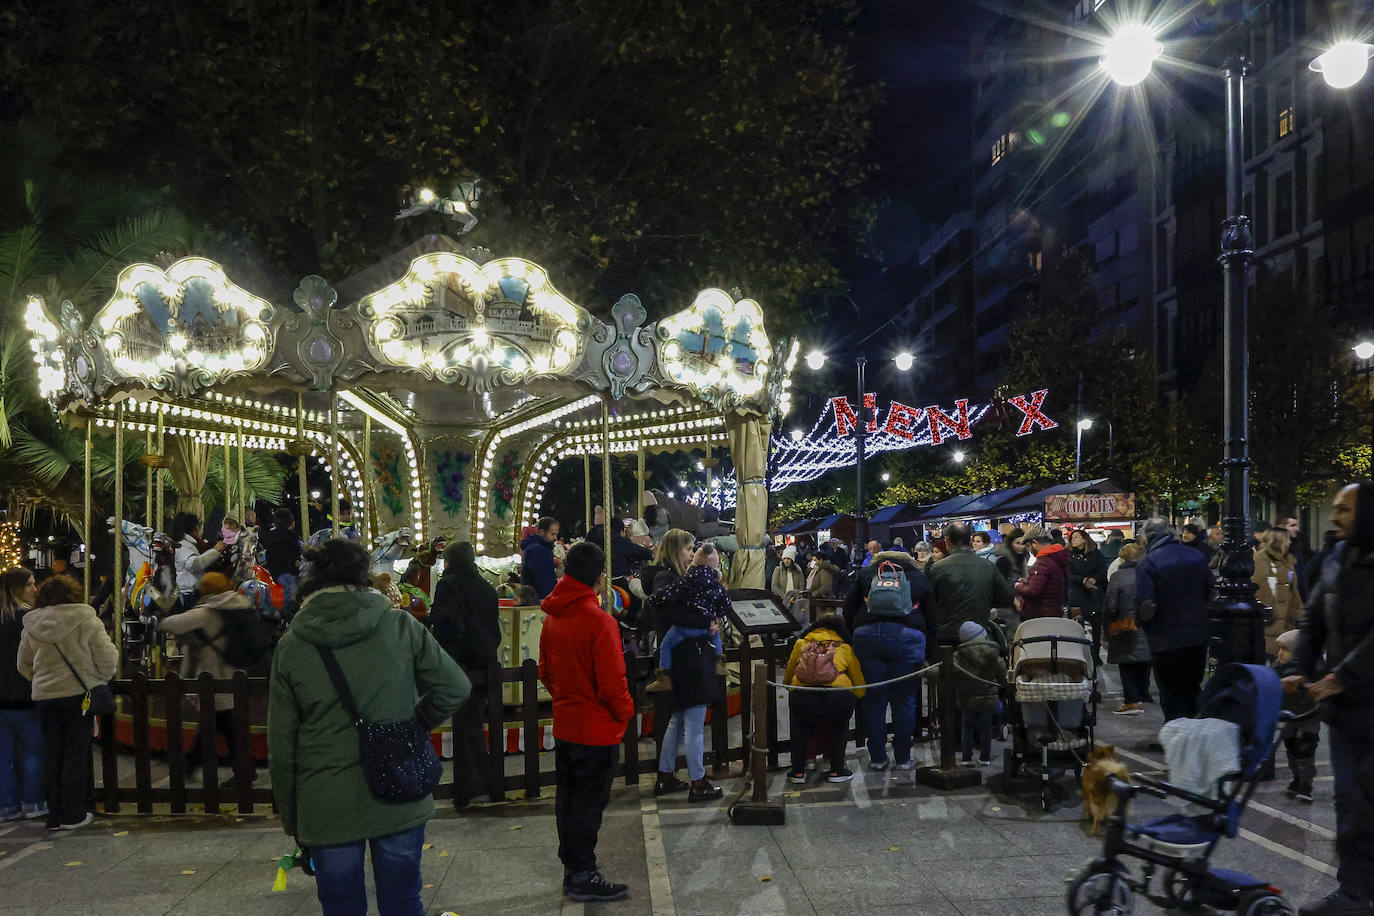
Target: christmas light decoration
[{"x": 11, "y": 554}]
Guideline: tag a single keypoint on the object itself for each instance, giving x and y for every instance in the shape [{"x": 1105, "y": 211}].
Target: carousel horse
[
  {"x": 151, "y": 582},
  {"x": 390, "y": 548}
]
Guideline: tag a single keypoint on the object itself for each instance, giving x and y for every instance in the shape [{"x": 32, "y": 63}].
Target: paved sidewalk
[{"x": 873, "y": 846}]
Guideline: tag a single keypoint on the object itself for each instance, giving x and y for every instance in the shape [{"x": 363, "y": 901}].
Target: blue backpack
[{"x": 889, "y": 595}]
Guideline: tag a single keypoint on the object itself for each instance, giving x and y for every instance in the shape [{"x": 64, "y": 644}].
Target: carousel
[{"x": 441, "y": 387}]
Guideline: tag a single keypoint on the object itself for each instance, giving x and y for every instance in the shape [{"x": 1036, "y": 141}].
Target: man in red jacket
[
  {"x": 582, "y": 666},
  {"x": 1043, "y": 591}
]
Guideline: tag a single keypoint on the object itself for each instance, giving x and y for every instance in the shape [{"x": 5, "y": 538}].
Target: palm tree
[{"x": 66, "y": 237}]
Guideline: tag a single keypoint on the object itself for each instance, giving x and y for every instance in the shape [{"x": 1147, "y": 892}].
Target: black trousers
[
  {"x": 1135, "y": 682},
  {"x": 1352, "y": 766},
  {"x": 584, "y": 776},
  {"x": 805, "y": 708},
  {"x": 1178, "y": 675},
  {"x": 470, "y": 758},
  {"x": 67, "y": 758},
  {"x": 224, "y": 725}
]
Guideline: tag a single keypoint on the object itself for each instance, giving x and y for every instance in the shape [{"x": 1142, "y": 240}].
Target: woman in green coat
[{"x": 395, "y": 671}]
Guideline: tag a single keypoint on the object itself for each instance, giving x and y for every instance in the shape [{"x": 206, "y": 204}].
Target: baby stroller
[
  {"x": 1053, "y": 705},
  {"x": 1182, "y": 844}
]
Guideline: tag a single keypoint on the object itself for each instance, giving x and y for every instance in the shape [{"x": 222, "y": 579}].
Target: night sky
[{"x": 919, "y": 52}]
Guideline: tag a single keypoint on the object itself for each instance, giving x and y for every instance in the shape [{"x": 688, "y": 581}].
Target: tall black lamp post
[{"x": 1128, "y": 58}]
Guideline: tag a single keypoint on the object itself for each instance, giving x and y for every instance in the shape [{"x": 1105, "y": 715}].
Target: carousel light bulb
[
  {"x": 177, "y": 341},
  {"x": 426, "y": 196}
]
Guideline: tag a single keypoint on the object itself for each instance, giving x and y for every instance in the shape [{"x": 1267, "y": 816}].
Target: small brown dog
[{"x": 1099, "y": 802}]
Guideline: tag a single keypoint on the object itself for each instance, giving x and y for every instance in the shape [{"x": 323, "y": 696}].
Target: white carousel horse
[{"x": 151, "y": 581}]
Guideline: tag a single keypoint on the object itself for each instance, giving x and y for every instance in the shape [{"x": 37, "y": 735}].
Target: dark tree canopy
[{"x": 648, "y": 145}]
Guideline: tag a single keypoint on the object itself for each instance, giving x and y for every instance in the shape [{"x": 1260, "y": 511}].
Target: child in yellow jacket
[{"x": 822, "y": 657}]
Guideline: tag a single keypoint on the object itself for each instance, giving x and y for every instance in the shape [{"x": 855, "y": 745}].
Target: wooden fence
[{"x": 143, "y": 700}]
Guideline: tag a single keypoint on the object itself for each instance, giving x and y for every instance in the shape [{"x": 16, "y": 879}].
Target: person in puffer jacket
[
  {"x": 65, "y": 652},
  {"x": 1046, "y": 586},
  {"x": 979, "y": 673},
  {"x": 822, "y": 651}
]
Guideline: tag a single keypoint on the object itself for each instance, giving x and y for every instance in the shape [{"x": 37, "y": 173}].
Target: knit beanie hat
[
  {"x": 789, "y": 552},
  {"x": 1288, "y": 640},
  {"x": 970, "y": 631}
]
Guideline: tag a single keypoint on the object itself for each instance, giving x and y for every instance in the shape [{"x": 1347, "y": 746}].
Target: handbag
[
  {"x": 398, "y": 760},
  {"x": 99, "y": 700},
  {"x": 1121, "y": 627}
]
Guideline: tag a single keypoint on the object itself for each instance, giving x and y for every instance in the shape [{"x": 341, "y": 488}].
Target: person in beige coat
[
  {"x": 64, "y": 652},
  {"x": 1276, "y": 585},
  {"x": 201, "y": 634}
]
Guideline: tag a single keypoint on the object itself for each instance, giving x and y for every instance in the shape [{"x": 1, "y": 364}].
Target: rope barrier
[{"x": 892, "y": 680}]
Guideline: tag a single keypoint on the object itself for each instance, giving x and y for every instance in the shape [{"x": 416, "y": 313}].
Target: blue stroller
[{"x": 1181, "y": 844}]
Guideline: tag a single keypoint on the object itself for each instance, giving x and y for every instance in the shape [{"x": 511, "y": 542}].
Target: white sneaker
[
  {"x": 81, "y": 823},
  {"x": 906, "y": 767},
  {"x": 879, "y": 766}
]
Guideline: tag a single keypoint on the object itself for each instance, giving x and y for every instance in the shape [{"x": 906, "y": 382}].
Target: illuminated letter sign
[
  {"x": 845, "y": 418},
  {"x": 938, "y": 418},
  {"x": 901, "y": 419},
  {"x": 1031, "y": 409}
]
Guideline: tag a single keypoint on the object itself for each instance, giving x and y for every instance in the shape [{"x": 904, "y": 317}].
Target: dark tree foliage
[{"x": 649, "y": 145}]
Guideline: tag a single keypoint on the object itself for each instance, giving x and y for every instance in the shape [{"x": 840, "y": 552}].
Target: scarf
[{"x": 700, "y": 589}]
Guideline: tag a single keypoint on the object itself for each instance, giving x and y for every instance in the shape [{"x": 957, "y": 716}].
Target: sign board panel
[
  {"x": 756, "y": 610},
  {"x": 1089, "y": 506}
]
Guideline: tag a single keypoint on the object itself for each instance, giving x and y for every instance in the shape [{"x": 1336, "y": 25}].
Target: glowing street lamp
[
  {"x": 886, "y": 476},
  {"x": 959, "y": 457},
  {"x": 1364, "y": 349},
  {"x": 904, "y": 361},
  {"x": 798, "y": 435},
  {"x": 1344, "y": 65},
  {"x": 1130, "y": 54},
  {"x": 815, "y": 360}
]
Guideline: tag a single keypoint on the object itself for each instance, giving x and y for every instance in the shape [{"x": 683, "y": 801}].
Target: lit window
[
  {"x": 1285, "y": 122},
  {"x": 1003, "y": 145}
]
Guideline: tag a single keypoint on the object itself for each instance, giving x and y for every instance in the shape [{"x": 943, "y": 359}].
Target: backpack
[
  {"x": 247, "y": 638},
  {"x": 890, "y": 593},
  {"x": 816, "y": 667}
]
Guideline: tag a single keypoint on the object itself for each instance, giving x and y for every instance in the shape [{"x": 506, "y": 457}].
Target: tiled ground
[{"x": 873, "y": 846}]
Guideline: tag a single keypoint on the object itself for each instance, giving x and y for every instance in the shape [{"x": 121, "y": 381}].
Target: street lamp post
[
  {"x": 1128, "y": 58},
  {"x": 1364, "y": 352},
  {"x": 860, "y": 440}
]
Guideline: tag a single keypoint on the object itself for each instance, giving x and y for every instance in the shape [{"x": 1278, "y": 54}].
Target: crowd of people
[{"x": 353, "y": 663}]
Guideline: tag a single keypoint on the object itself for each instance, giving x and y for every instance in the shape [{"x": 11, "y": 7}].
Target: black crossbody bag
[
  {"x": 398, "y": 760},
  {"x": 99, "y": 700}
]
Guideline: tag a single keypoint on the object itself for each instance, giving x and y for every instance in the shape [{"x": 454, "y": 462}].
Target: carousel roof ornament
[{"x": 499, "y": 330}]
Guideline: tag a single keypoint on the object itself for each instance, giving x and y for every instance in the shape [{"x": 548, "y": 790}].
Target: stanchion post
[
  {"x": 948, "y": 775},
  {"x": 758, "y": 810}
]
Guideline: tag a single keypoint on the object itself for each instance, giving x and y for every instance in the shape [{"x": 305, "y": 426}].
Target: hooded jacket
[
  {"x": 924, "y": 609},
  {"x": 395, "y": 670},
  {"x": 71, "y": 630},
  {"x": 1011, "y": 565},
  {"x": 465, "y": 616},
  {"x": 967, "y": 587},
  {"x": 1046, "y": 585},
  {"x": 1130, "y": 647},
  {"x": 849, "y": 674},
  {"x": 582, "y": 666},
  {"x": 204, "y": 650},
  {"x": 1177, "y": 581},
  {"x": 538, "y": 568},
  {"x": 978, "y": 670},
  {"x": 822, "y": 580},
  {"x": 1338, "y": 628}
]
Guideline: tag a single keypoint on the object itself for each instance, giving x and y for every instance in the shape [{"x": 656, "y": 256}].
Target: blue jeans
[
  {"x": 678, "y": 635},
  {"x": 21, "y": 762},
  {"x": 686, "y": 728},
  {"x": 888, "y": 650},
  {"x": 342, "y": 888}
]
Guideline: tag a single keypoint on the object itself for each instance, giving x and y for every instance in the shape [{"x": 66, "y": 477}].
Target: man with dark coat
[
  {"x": 466, "y": 622},
  {"x": 538, "y": 568},
  {"x": 1046, "y": 585},
  {"x": 1173, "y": 585},
  {"x": 1335, "y": 656},
  {"x": 966, "y": 586}
]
